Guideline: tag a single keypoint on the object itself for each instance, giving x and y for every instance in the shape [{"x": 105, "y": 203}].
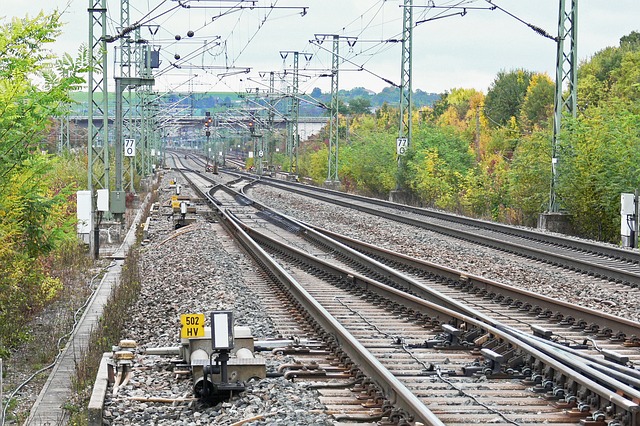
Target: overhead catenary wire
[
  {"x": 535, "y": 28},
  {"x": 386, "y": 80}
]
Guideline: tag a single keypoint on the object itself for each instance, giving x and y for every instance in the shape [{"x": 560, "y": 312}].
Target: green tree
[
  {"x": 528, "y": 178},
  {"x": 600, "y": 161},
  {"x": 367, "y": 163},
  {"x": 506, "y": 96},
  {"x": 436, "y": 162},
  {"x": 537, "y": 107},
  {"x": 359, "y": 105}
]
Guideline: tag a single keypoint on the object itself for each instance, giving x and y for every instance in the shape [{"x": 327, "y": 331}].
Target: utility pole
[
  {"x": 98, "y": 135},
  {"x": 566, "y": 72},
  {"x": 405, "y": 77},
  {"x": 334, "y": 124},
  {"x": 332, "y": 172},
  {"x": 98, "y": 140},
  {"x": 64, "y": 139},
  {"x": 293, "y": 139},
  {"x": 405, "y": 128},
  {"x": 126, "y": 170}
]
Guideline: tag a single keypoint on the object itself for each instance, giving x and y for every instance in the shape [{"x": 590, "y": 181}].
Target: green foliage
[
  {"x": 528, "y": 179},
  {"x": 537, "y": 107},
  {"x": 460, "y": 99},
  {"x": 314, "y": 162},
  {"x": 368, "y": 164},
  {"x": 359, "y": 105},
  {"x": 599, "y": 161},
  {"x": 34, "y": 197},
  {"x": 613, "y": 71},
  {"x": 484, "y": 193},
  {"x": 508, "y": 178},
  {"x": 506, "y": 96},
  {"x": 436, "y": 163}
]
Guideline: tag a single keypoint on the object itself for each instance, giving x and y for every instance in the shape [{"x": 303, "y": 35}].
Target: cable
[
  {"x": 475, "y": 399},
  {"x": 535, "y": 28},
  {"x": 386, "y": 80},
  {"x": 254, "y": 34}
]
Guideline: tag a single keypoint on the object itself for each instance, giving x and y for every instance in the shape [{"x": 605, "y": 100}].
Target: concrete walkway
[{"x": 47, "y": 410}]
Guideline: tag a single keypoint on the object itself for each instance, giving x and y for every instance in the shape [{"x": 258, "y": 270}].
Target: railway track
[
  {"x": 599, "y": 260},
  {"x": 433, "y": 344}
]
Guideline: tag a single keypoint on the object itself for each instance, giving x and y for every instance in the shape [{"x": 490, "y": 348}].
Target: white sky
[{"x": 451, "y": 52}]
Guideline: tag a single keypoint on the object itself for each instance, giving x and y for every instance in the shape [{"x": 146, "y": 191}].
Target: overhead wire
[
  {"x": 535, "y": 28},
  {"x": 388, "y": 42},
  {"x": 254, "y": 34}
]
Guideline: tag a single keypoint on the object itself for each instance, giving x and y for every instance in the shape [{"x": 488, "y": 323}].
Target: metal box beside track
[{"x": 242, "y": 365}]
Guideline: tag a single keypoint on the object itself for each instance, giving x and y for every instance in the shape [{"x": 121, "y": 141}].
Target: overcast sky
[{"x": 457, "y": 51}]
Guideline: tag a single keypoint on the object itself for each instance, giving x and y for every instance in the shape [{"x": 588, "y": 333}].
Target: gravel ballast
[{"x": 191, "y": 270}]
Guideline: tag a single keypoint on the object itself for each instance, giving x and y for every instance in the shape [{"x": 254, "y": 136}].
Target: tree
[
  {"x": 537, "y": 107},
  {"x": 599, "y": 162},
  {"x": 631, "y": 41},
  {"x": 436, "y": 162},
  {"x": 33, "y": 87},
  {"x": 359, "y": 105},
  {"x": 506, "y": 96},
  {"x": 528, "y": 178},
  {"x": 368, "y": 163}
]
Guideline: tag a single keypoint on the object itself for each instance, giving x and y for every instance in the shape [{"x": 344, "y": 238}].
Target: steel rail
[
  {"x": 394, "y": 390},
  {"x": 589, "y": 316},
  {"x": 575, "y": 244},
  {"x": 586, "y": 377},
  {"x": 586, "y": 266},
  {"x": 608, "y": 388},
  {"x": 593, "y": 375}
]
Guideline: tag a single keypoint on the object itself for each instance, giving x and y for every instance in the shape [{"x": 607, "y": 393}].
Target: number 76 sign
[{"x": 129, "y": 147}]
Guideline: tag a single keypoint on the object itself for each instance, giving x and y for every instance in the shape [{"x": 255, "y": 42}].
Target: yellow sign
[{"x": 192, "y": 325}]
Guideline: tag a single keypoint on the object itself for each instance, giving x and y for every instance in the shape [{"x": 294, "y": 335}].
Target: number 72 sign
[{"x": 129, "y": 147}]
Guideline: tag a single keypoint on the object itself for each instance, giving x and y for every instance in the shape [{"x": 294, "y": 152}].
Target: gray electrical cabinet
[{"x": 118, "y": 202}]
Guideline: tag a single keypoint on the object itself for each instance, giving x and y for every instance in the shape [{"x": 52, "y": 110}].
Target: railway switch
[{"x": 541, "y": 332}]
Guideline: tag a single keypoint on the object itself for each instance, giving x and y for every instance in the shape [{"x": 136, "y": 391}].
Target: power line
[
  {"x": 386, "y": 80},
  {"x": 535, "y": 28}
]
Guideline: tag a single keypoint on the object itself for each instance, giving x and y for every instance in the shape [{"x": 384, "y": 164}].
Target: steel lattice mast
[
  {"x": 332, "y": 172},
  {"x": 405, "y": 78},
  {"x": 124, "y": 120},
  {"x": 98, "y": 141},
  {"x": 566, "y": 73},
  {"x": 406, "y": 104},
  {"x": 294, "y": 113}
]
